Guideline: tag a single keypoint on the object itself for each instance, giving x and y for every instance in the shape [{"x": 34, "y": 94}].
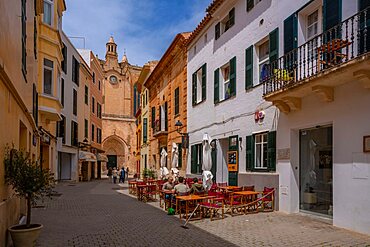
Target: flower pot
[{"x": 25, "y": 237}]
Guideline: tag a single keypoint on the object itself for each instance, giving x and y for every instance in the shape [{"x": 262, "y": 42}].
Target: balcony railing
[
  {"x": 341, "y": 44},
  {"x": 159, "y": 129}
]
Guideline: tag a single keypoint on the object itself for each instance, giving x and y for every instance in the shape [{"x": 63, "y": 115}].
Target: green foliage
[
  {"x": 148, "y": 173},
  {"x": 28, "y": 179}
]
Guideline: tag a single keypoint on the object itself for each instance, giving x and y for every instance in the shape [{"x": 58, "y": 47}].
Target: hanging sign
[{"x": 259, "y": 116}]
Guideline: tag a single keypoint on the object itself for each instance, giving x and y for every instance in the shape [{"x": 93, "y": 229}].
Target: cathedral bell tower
[
  {"x": 111, "y": 49},
  {"x": 111, "y": 56}
]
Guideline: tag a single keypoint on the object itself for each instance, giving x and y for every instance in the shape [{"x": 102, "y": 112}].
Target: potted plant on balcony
[{"x": 30, "y": 182}]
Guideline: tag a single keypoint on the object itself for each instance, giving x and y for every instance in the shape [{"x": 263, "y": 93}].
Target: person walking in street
[
  {"x": 115, "y": 174},
  {"x": 110, "y": 174},
  {"x": 127, "y": 173},
  {"x": 122, "y": 175}
]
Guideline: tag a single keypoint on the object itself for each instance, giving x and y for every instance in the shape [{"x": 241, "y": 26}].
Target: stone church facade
[{"x": 119, "y": 126}]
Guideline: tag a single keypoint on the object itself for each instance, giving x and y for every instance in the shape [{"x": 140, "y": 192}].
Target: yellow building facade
[
  {"x": 18, "y": 96},
  {"x": 49, "y": 70}
]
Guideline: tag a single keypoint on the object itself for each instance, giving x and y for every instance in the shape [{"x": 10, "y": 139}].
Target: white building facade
[
  {"x": 67, "y": 143},
  {"x": 310, "y": 60}
]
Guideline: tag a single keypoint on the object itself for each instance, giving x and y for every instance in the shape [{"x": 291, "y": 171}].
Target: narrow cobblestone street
[{"x": 94, "y": 214}]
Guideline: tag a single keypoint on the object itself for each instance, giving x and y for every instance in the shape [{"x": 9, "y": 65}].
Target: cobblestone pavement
[{"x": 94, "y": 214}]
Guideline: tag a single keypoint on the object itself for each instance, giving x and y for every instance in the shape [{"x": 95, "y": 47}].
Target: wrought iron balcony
[
  {"x": 159, "y": 129},
  {"x": 344, "y": 44}
]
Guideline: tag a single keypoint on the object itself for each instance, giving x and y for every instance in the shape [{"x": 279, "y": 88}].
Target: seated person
[
  {"x": 181, "y": 188},
  {"x": 196, "y": 187},
  {"x": 169, "y": 184}
]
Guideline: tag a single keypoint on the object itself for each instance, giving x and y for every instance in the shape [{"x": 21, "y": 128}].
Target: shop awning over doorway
[
  {"x": 101, "y": 157},
  {"x": 87, "y": 156}
]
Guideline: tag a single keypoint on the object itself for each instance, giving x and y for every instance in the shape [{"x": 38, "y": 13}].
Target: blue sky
[{"x": 145, "y": 28}]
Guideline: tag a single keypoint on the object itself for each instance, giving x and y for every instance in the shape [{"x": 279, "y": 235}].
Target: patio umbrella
[
  {"x": 207, "y": 162},
  {"x": 175, "y": 160},
  {"x": 164, "y": 171}
]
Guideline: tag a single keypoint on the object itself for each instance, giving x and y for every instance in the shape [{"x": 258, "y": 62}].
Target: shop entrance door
[
  {"x": 112, "y": 161},
  {"x": 316, "y": 170}
]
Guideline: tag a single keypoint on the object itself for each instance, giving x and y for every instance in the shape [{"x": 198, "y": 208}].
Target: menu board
[{"x": 232, "y": 161}]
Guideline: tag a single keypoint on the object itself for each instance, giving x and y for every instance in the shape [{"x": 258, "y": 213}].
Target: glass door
[{"x": 316, "y": 170}]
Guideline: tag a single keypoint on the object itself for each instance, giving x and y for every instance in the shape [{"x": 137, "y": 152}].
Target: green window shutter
[
  {"x": 232, "y": 17},
  {"x": 332, "y": 14},
  {"x": 250, "y": 5},
  {"x": 274, "y": 45},
  {"x": 200, "y": 155},
  {"x": 193, "y": 159},
  {"x": 233, "y": 76},
  {"x": 290, "y": 33},
  {"x": 271, "y": 150},
  {"x": 179, "y": 145},
  {"x": 153, "y": 117},
  {"x": 204, "y": 81},
  {"x": 145, "y": 130},
  {"x": 194, "y": 88},
  {"x": 216, "y": 97},
  {"x": 250, "y": 152},
  {"x": 249, "y": 68},
  {"x": 217, "y": 31}
]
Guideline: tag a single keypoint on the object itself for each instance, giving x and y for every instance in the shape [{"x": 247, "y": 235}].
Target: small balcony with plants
[{"x": 337, "y": 56}]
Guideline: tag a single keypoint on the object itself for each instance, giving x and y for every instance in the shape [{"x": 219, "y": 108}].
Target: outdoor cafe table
[
  {"x": 248, "y": 196},
  {"x": 189, "y": 200},
  {"x": 140, "y": 191},
  {"x": 230, "y": 188},
  {"x": 132, "y": 187}
]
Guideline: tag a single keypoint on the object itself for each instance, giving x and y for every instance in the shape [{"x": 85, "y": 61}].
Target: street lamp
[
  {"x": 179, "y": 126},
  {"x": 184, "y": 136}
]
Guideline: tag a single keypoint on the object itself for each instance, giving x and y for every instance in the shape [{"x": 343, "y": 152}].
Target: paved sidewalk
[
  {"x": 94, "y": 214},
  {"x": 276, "y": 229}
]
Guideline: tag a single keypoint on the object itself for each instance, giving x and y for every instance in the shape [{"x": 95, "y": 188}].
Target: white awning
[
  {"x": 101, "y": 157},
  {"x": 87, "y": 156}
]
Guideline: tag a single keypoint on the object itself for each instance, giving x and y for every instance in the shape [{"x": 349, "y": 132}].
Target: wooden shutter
[
  {"x": 250, "y": 152},
  {"x": 177, "y": 99},
  {"x": 193, "y": 159},
  {"x": 332, "y": 14},
  {"x": 249, "y": 68},
  {"x": 274, "y": 45},
  {"x": 77, "y": 72},
  {"x": 153, "y": 117},
  {"x": 194, "y": 89},
  {"x": 364, "y": 43},
  {"x": 204, "y": 81},
  {"x": 217, "y": 31},
  {"x": 200, "y": 155},
  {"x": 232, "y": 17},
  {"x": 233, "y": 76},
  {"x": 135, "y": 98},
  {"x": 271, "y": 150},
  {"x": 145, "y": 129},
  {"x": 290, "y": 33},
  {"x": 165, "y": 116},
  {"x": 159, "y": 127},
  {"x": 216, "y": 97},
  {"x": 250, "y": 5},
  {"x": 73, "y": 69}
]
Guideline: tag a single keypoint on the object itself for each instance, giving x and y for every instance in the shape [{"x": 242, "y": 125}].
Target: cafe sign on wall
[{"x": 232, "y": 161}]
